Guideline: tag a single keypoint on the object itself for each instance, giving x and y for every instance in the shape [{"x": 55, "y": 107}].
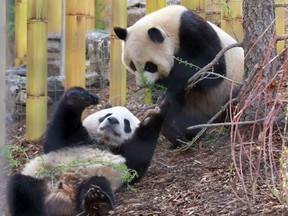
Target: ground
[{"x": 197, "y": 181}]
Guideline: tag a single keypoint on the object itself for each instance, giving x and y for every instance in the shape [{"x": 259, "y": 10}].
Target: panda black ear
[
  {"x": 120, "y": 32},
  {"x": 155, "y": 35}
]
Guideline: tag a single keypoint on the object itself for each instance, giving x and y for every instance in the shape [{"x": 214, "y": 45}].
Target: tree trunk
[{"x": 259, "y": 45}]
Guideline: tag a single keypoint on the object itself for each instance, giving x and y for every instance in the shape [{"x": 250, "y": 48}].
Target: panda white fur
[
  {"x": 81, "y": 179},
  {"x": 153, "y": 47},
  {"x": 112, "y": 126}
]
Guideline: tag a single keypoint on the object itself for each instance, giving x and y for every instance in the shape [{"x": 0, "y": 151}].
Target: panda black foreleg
[
  {"x": 95, "y": 196},
  {"x": 26, "y": 195}
]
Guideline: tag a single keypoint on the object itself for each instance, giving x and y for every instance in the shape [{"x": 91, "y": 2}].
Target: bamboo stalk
[
  {"x": 20, "y": 32},
  {"x": 198, "y": 6},
  {"x": 153, "y": 5},
  {"x": 280, "y": 23},
  {"x": 2, "y": 73},
  {"x": 54, "y": 16},
  {"x": 36, "y": 111},
  {"x": 231, "y": 18},
  {"x": 90, "y": 14},
  {"x": 100, "y": 13},
  {"x": 117, "y": 69},
  {"x": 76, "y": 13}
]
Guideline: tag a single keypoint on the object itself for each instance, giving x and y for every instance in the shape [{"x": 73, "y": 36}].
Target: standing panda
[
  {"x": 81, "y": 179},
  {"x": 157, "y": 46}
]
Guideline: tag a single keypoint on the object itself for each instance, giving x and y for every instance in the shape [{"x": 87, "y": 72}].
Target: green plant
[
  {"x": 127, "y": 175},
  {"x": 8, "y": 153}
]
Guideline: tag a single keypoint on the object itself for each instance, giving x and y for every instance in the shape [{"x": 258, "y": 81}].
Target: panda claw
[{"x": 98, "y": 200}]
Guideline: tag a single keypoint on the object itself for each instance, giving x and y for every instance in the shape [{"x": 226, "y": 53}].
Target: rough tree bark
[{"x": 259, "y": 45}]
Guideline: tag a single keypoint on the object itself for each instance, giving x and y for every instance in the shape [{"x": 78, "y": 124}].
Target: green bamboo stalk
[
  {"x": 100, "y": 13},
  {"x": 20, "y": 32},
  {"x": 231, "y": 18},
  {"x": 117, "y": 69},
  {"x": 76, "y": 13},
  {"x": 198, "y": 6},
  {"x": 90, "y": 14},
  {"x": 280, "y": 23},
  {"x": 153, "y": 5},
  {"x": 36, "y": 111},
  {"x": 54, "y": 16}
]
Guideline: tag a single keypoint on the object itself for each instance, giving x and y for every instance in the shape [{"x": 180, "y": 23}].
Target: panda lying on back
[
  {"x": 154, "y": 48},
  {"x": 84, "y": 177}
]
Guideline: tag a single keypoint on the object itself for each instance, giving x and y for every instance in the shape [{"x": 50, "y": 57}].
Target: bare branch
[
  {"x": 191, "y": 81},
  {"x": 282, "y": 37}
]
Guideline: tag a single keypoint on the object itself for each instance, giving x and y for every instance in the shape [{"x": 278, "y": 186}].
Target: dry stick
[
  {"x": 210, "y": 65},
  {"x": 205, "y": 128}
]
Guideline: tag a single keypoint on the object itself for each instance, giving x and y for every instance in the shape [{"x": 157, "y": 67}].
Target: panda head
[
  {"x": 149, "y": 45},
  {"x": 111, "y": 126}
]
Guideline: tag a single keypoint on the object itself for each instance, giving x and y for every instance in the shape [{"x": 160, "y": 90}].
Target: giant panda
[
  {"x": 81, "y": 179},
  {"x": 156, "y": 48},
  {"x": 111, "y": 126}
]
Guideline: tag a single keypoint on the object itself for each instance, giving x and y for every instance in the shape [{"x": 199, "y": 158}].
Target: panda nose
[{"x": 113, "y": 120}]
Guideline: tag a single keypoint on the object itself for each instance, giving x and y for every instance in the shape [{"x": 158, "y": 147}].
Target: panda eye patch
[
  {"x": 150, "y": 67},
  {"x": 104, "y": 117},
  {"x": 127, "y": 127},
  {"x": 133, "y": 66}
]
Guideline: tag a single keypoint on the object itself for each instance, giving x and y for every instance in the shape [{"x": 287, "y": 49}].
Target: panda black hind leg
[
  {"x": 95, "y": 197},
  {"x": 26, "y": 196}
]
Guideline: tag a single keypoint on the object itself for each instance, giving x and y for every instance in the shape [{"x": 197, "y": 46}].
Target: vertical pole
[
  {"x": 90, "y": 14},
  {"x": 280, "y": 24},
  {"x": 36, "y": 112},
  {"x": 20, "y": 32},
  {"x": 117, "y": 69},
  {"x": 75, "y": 61},
  {"x": 198, "y": 6},
  {"x": 153, "y": 5},
  {"x": 99, "y": 15},
  {"x": 2, "y": 72},
  {"x": 54, "y": 16},
  {"x": 231, "y": 18}
]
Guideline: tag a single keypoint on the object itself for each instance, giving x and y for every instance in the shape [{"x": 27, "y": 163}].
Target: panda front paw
[{"x": 97, "y": 202}]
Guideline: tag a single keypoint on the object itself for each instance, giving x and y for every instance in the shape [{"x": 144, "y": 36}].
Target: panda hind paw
[{"x": 97, "y": 200}]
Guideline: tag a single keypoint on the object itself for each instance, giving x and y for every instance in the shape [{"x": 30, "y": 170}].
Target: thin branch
[
  {"x": 210, "y": 65},
  {"x": 227, "y": 124},
  {"x": 282, "y": 37},
  {"x": 200, "y": 133},
  {"x": 281, "y": 5}
]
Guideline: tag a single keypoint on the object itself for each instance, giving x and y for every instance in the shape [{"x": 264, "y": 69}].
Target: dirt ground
[{"x": 198, "y": 181}]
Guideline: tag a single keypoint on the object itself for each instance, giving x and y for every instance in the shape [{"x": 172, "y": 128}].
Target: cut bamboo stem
[
  {"x": 280, "y": 23},
  {"x": 36, "y": 111},
  {"x": 100, "y": 13},
  {"x": 90, "y": 15},
  {"x": 198, "y": 6},
  {"x": 153, "y": 5},
  {"x": 117, "y": 69},
  {"x": 20, "y": 32},
  {"x": 76, "y": 13},
  {"x": 54, "y": 16},
  {"x": 231, "y": 18}
]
